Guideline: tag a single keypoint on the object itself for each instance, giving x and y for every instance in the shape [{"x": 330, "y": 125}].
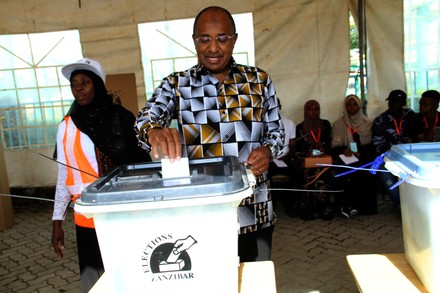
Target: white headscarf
[{"x": 341, "y": 130}]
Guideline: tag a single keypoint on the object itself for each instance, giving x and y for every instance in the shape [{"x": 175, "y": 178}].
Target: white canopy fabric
[{"x": 302, "y": 44}]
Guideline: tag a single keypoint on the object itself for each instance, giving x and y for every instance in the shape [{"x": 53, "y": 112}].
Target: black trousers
[
  {"x": 89, "y": 257},
  {"x": 255, "y": 246}
]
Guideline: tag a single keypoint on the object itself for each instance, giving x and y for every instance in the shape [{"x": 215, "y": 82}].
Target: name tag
[
  {"x": 316, "y": 153},
  {"x": 353, "y": 147}
]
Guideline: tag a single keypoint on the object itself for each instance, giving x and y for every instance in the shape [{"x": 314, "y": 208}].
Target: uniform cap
[{"x": 84, "y": 64}]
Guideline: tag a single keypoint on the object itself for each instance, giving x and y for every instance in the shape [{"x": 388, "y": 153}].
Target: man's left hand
[{"x": 259, "y": 160}]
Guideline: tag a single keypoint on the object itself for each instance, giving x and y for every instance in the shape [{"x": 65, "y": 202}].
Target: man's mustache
[{"x": 213, "y": 55}]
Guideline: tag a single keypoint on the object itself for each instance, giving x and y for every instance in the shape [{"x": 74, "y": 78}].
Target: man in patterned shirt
[
  {"x": 389, "y": 128},
  {"x": 222, "y": 109}
]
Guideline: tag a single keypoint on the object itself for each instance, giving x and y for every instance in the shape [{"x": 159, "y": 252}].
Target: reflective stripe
[
  {"x": 81, "y": 220},
  {"x": 76, "y": 180}
]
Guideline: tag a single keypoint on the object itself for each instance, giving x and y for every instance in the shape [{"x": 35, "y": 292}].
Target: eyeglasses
[
  {"x": 83, "y": 83},
  {"x": 205, "y": 40}
]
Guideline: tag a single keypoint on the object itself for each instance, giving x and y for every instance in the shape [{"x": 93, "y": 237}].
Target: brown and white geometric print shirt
[{"x": 221, "y": 119}]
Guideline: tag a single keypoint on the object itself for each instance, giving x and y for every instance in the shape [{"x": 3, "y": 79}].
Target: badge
[{"x": 353, "y": 147}]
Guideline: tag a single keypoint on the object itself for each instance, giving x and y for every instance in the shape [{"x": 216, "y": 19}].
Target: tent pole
[{"x": 362, "y": 51}]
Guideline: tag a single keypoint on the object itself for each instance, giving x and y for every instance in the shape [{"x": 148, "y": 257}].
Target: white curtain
[
  {"x": 385, "y": 55},
  {"x": 304, "y": 45}
]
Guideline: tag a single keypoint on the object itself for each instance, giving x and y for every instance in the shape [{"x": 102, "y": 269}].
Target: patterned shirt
[
  {"x": 221, "y": 119},
  {"x": 388, "y": 131}
]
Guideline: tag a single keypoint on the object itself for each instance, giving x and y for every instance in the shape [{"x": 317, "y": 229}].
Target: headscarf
[
  {"x": 341, "y": 135},
  {"x": 108, "y": 125},
  {"x": 95, "y": 119},
  {"x": 315, "y": 125}
]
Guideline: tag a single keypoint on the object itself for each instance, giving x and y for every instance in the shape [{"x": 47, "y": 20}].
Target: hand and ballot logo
[{"x": 167, "y": 258}]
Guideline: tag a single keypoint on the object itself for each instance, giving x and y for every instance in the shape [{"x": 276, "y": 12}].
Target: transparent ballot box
[
  {"x": 419, "y": 165},
  {"x": 169, "y": 234}
]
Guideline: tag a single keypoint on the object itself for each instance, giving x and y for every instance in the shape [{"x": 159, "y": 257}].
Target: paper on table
[
  {"x": 280, "y": 163},
  {"x": 177, "y": 168},
  {"x": 348, "y": 160}
]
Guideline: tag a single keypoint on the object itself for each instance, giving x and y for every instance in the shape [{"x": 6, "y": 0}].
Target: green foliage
[{"x": 354, "y": 37}]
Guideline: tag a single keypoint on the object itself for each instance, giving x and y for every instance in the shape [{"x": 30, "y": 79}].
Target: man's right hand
[
  {"x": 168, "y": 140},
  {"x": 58, "y": 237}
]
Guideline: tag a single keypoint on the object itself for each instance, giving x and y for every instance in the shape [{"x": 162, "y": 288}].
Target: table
[
  {"x": 256, "y": 277},
  {"x": 387, "y": 273},
  {"x": 253, "y": 277}
]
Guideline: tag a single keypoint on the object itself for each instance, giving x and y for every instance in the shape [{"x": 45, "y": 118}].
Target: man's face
[
  {"x": 215, "y": 55},
  {"x": 427, "y": 105},
  {"x": 395, "y": 106}
]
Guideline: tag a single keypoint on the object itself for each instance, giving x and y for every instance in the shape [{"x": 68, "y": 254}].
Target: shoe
[
  {"x": 353, "y": 212},
  {"x": 345, "y": 213},
  {"x": 292, "y": 211},
  {"x": 327, "y": 214}
]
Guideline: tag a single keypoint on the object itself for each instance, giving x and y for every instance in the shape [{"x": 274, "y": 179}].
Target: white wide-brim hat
[{"x": 84, "y": 64}]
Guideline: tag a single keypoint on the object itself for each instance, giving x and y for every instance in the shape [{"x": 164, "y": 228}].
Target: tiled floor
[{"x": 309, "y": 256}]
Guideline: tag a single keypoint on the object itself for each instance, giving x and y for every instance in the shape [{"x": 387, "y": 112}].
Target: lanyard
[
  {"x": 352, "y": 130},
  {"x": 398, "y": 128},
  {"x": 316, "y": 138},
  {"x": 435, "y": 123}
]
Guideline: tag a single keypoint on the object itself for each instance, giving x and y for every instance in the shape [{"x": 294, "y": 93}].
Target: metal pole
[{"x": 362, "y": 52}]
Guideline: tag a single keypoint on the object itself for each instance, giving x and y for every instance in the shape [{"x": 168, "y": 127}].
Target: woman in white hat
[{"x": 95, "y": 136}]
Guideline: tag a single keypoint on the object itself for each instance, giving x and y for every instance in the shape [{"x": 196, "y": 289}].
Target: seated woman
[
  {"x": 351, "y": 137},
  {"x": 314, "y": 140}
]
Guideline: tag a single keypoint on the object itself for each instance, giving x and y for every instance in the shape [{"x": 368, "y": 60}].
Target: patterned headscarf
[{"x": 341, "y": 134}]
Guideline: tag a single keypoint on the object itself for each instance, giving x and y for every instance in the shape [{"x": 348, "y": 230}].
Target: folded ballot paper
[
  {"x": 177, "y": 168},
  {"x": 348, "y": 160}
]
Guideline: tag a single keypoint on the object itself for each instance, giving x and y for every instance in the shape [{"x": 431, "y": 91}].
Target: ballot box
[
  {"x": 178, "y": 234},
  {"x": 419, "y": 166}
]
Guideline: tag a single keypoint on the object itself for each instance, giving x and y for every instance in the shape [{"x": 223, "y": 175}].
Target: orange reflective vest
[{"x": 78, "y": 153}]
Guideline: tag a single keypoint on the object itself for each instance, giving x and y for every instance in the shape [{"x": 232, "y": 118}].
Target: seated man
[
  {"x": 426, "y": 121},
  {"x": 389, "y": 128}
]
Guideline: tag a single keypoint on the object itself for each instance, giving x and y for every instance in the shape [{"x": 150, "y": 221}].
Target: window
[
  {"x": 422, "y": 48},
  {"x": 167, "y": 47},
  {"x": 34, "y": 95},
  {"x": 353, "y": 87}
]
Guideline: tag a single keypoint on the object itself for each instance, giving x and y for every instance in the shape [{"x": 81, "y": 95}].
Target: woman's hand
[
  {"x": 58, "y": 237},
  {"x": 348, "y": 152}
]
